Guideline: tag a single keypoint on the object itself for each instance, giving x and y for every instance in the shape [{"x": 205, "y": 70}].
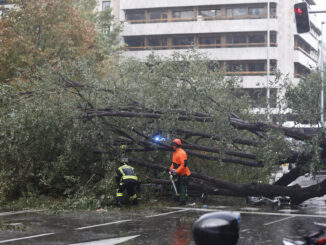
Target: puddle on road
[{"x": 171, "y": 229}]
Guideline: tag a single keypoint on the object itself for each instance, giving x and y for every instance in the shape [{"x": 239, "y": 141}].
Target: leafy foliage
[
  {"x": 72, "y": 105},
  {"x": 304, "y": 98},
  {"x": 38, "y": 32}
]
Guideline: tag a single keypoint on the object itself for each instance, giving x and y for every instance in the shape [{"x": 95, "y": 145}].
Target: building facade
[
  {"x": 234, "y": 32},
  {"x": 231, "y": 31}
]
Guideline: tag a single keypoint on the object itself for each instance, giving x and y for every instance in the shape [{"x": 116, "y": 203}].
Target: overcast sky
[{"x": 321, "y": 5}]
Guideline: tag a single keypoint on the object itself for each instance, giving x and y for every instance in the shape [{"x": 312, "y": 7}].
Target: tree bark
[
  {"x": 145, "y": 115},
  {"x": 197, "y": 187},
  {"x": 241, "y": 141},
  {"x": 297, "y": 195},
  {"x": 264, "y": 126}
]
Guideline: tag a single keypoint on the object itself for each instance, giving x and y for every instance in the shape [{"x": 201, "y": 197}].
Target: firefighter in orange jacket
[{"x": 179, "y": 168}]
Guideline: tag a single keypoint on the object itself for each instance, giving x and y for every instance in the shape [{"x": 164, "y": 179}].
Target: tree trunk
[{"x": 297, "y": 195}]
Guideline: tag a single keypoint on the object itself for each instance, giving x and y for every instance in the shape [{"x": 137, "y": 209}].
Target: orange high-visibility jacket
[{"x": 179, "y": 162}]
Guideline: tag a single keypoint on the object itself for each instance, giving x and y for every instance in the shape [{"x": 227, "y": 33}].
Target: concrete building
[
  {"x": 231, "y": 31},
  {"x": 113, "y": 4},
  {"x": 234, "y": 32},
  {"x": 4, "y": 4}
]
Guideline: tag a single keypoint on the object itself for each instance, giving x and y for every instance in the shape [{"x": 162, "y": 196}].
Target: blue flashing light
[{"x": 158, "y": 138}]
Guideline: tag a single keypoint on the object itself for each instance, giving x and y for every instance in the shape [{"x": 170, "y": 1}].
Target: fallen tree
[{"x": 171, "y": 99}]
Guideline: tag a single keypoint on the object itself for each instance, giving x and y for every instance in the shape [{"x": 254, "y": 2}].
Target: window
[
  {"x": 234, "y": 67},
  {"x": 239, "y": 12},
  {"x": 135, "y": 15},
  {"x": 229, "y": 12},
  {"x": 256, "y": 11},
  {"x": 183, "y": 41},
  {"x": 256, "y": 66},
  {"x": 210, "y": 13},
  {"x": 210, "y": 40},
  {"x": 157, "y": 14},
  {"x": 256, "y": 38},
  {"x": 239, "y": 39},
  {"x": 183, "y": 14},
  {"x": 273, "y": 38},
  {"x": 207, "y": 13},
  {"x": 135, "y": 41},
  {"x": 273, "y": 65},
  {"x": 273, "y": 10},
  {"x": 106, "y": 5},
  {"x": 230, "y": 39},
  {"x": 300, "y": 70},
  {"x": 157, "y": 41}
]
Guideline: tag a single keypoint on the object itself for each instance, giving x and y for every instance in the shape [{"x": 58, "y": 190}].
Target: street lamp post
[
  {"x": 322, "y": 76},
  {"x": 268, "y": 61}
]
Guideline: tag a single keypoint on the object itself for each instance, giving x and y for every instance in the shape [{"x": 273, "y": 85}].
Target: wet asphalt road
[
  {"x": 167, "y": 226},
  {"x": 159, "y": 226}
]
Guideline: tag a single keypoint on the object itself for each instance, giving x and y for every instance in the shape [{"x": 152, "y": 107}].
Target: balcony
[
  {"x": 244, "y": 53},
  {"x": 301, "y": 57},
  {"x": 189, "y": 27},
  {"x": 142, "y": 4}
]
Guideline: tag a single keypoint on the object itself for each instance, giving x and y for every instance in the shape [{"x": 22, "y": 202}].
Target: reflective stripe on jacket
[{"x": 126, "y": 172}]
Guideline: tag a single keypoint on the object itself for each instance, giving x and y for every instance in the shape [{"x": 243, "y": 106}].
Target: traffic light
[{"x": 302, "y": 17}]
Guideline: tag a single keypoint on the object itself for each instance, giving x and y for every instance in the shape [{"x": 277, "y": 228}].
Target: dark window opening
[
  {"x": 210, "y": 13},
  {"x": 135, "y": 41},
  {"x": 135, "y": 15},
  {"x": 157, "y": 15},
  {"x": 178, "y": 41},
  {"x": 256, "y": 38},
  {"x": 183, "y": 14},
  {"x": 210, "y": 41},
  {"x": 157, "y": 41},
  {"x": 239, "y": 39},
  {"x": 234, "y": 67},
  {"x": 256, "y": 66},
  {"x": 257, "y": 11},
  {"x": 106, "y": 5}
]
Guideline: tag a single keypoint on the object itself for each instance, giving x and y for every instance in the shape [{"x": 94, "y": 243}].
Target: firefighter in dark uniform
[{"x": 126, "y": 179}]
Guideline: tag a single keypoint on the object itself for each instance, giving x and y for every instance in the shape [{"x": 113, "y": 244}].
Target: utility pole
[
  {"x": 268, "y": 61},
  {"x": 322, "y": 77}
]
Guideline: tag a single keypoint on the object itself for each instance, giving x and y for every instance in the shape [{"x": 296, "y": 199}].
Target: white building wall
[
  {"x": 302, "y": 58},
  {"x": 190, "y": 27},
  {"x": 283, "y": 25},
  {"x": 141, "y": 4},
  {"x": 212, "y": 54},
  {"x": 285, "y": 37}
]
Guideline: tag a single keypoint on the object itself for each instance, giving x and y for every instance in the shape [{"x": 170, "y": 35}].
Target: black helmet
[
  {"x": 124, "y": 160},
  {"x": 219, "y": 228}
]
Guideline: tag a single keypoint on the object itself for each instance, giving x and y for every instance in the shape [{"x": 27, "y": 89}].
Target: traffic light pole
[
  {"x": 317, "y": 12},
  {"x": 303, "y": 26}
]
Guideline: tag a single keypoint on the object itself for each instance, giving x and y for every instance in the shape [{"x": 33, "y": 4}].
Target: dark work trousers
[
  {"x": 181, "y": 183},
  {"x": 129, "y": 185}
]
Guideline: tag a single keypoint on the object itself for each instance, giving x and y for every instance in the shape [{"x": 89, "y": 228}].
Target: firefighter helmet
[{"x": 176, "y": 142}]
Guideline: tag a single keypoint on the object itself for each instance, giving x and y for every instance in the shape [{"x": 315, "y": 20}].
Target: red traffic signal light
[{"x": 302, "y": 17}]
